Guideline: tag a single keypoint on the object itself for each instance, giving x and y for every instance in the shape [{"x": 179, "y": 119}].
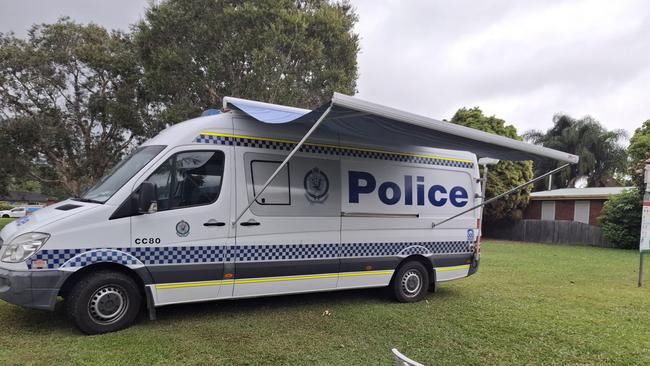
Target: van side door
[
  {"x": 288, "y": 241},
  {"x": 185, "y": 243}
]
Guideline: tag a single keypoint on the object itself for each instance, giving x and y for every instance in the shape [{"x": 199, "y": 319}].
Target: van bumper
[{"x": 35, "y": 290}]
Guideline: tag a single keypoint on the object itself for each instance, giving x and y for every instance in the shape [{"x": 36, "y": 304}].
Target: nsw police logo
[
  {"x": 316, "y": 185},
  {"x": 470, "y": 235},
  {"x": 183, "y": 228}
]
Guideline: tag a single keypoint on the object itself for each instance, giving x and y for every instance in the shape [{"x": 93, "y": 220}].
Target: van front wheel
[
  {"x": 102, "y": 302},
  {"x": 411, "y": 282}
]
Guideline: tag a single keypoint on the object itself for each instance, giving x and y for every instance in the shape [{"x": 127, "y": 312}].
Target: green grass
[
  {"x": 529, "y": 304},
  {"x": 5, "y": 221}
]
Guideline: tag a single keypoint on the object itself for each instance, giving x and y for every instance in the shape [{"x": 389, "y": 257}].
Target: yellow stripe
[
  {"x": 282, "y": 279},
  {"x": 334, "y": 146},
  {"x": 271, "y": 279},
  {"x": 194, "y": 284},
  {"x": 455, "y": 268}
]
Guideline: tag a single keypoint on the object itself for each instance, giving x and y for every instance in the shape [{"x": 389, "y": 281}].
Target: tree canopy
[
  {"x": 74, "y": 98},
  {"x": 69, "y": 102},
  {"x": 279, "y": 51},
  {"x": 505, "y": 174},
  {"x": 602, "y": 156},
  {"x": 620, "y": 219},
  {"x": 638, "y": 153}
]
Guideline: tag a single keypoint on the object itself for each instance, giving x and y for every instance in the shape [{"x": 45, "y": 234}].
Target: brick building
[{"x": 570, "y": 204}]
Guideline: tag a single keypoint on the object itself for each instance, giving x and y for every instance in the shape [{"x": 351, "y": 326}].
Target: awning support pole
[
  {"x": 434, "y": 225},
  {"x": 284, "y": 162}
]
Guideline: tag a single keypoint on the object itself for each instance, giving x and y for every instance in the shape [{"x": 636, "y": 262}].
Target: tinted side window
[{"x": 189, "y": 179}]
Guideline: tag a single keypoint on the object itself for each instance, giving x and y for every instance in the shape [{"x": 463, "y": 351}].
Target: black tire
[
  {"x": 411, "y": 282},
  {"x": 104, "y": 301},
  {"x": 5, "y": 216}
]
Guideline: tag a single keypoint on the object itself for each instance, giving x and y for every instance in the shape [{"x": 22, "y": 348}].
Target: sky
[{"x": 520, "y": 61}]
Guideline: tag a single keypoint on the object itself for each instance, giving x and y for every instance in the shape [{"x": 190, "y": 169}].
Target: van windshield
[{"x": 120, "y": 174}]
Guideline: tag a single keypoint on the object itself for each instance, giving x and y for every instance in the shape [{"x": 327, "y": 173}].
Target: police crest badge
[{"x": 316, "y": 185}]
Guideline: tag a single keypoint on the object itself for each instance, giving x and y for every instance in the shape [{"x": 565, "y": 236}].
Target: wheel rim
[
  {"x": 108, "y": 304},
  {"x": 412, "y": 283}
]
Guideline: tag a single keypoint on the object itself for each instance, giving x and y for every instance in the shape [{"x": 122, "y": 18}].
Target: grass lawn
[
  {"x": 529, "y": 304},
  {"x": 5, "y": 221}
]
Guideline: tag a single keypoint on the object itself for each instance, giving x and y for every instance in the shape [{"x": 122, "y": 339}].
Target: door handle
[
  {"x": 214, "y": 222},
  {"x": 250, "y": 222}
]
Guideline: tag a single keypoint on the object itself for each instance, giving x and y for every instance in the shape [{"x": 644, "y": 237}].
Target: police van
[{"x": 257, "y": 200}]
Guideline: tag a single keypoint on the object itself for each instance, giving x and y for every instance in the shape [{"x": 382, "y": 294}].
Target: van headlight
[{"x": 23, "y": 246}]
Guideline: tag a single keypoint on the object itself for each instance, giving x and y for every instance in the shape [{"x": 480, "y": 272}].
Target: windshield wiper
[{"x": 80, "y": 199}]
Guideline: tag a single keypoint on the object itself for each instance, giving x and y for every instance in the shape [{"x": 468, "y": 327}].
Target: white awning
[{"x": 361, "y": 120}]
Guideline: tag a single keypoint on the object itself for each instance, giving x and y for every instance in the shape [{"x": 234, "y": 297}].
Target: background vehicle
[
  {"x": 18, "y": 211},
  {"x": 14, "y": 212}
]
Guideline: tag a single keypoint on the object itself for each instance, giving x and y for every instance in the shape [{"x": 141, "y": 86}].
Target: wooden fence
[{"x": 543, "y": 231}]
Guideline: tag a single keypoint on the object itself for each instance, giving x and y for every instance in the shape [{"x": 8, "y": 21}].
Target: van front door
[{"x": 185, "y": 243}]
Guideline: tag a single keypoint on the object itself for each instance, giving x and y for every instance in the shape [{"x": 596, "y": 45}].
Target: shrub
[
  {"x": 5, "y": 206},
  {"x": 620, "y": 219}
]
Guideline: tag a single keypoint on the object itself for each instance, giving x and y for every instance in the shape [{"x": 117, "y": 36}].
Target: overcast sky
[{"x": 521, "y": 61}]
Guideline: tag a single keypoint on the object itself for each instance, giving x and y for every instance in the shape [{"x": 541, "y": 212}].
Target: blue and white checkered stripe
[
  {"x": 403, "y": 248},
  {"x": 329, "y": 150},
  {"x": 263, "y": 253},
  {"x": 139, "y": 256},
  {"x": 77, "y": 258},
  {"x": 102, "y": 256}
]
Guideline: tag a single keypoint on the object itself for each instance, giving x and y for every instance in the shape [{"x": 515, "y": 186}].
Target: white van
[{"x": 187, "y": 217}]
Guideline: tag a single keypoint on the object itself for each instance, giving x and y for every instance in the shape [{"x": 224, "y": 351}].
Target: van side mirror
[{"x": 147, "y": 200}]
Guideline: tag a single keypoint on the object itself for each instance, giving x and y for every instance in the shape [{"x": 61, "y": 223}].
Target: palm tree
[{"x": 602, "y": 157}]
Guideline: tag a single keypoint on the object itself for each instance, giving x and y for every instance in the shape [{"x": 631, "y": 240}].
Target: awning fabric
[{"x": 357, "y": 119}]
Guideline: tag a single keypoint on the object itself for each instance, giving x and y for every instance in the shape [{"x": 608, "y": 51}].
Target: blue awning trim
[{"x": 268, "y": 113}]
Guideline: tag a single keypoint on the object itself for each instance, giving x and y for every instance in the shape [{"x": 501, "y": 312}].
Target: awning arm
[
  {"x": 434, "y": 225},
  {"x": 284, "y": 162}
]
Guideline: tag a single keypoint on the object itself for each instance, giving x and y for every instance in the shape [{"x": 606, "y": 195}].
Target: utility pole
[{"x": 644, "y": 243}]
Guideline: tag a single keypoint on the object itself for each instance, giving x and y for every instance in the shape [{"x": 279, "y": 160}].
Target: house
[
  {"x": 27, "y": 199},
  {"x": 561, "y": 216},
  {"x": 570, "y": 204}
]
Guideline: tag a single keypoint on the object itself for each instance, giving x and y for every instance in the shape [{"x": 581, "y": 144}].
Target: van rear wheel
[
  {"x": 102, "y": 302},
  {"x": 411, "y": 282}
]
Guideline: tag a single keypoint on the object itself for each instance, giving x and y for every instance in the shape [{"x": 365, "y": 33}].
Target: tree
[
  {"x": 504, "y": 175},
  {"x": 279, "y": 51},
  {"x": 638, "y": 153},
  {"x": 602, "y": 157},
  {"x": 70, "y": 103},
  {"x": 620, "y": 219}
]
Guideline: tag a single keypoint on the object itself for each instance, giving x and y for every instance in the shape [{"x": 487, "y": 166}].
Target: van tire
[
  {"x": 411, "y": 282},
  {"x": 102, "y": 302}
]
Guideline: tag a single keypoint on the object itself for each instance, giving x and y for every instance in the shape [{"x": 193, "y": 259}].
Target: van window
[
  {"x": 189, "y": 179},
  {"x": 278, "y": 191}
]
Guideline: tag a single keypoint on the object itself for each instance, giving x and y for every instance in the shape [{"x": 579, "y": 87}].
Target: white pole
[
  {"x": 644, "y": 244},
  {"x": 286, "y": 160}
]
